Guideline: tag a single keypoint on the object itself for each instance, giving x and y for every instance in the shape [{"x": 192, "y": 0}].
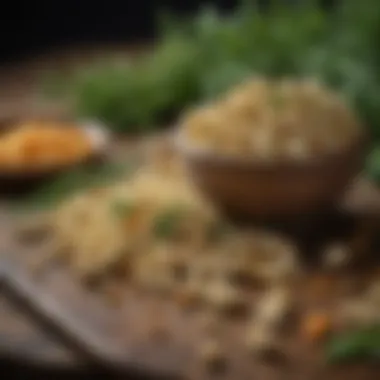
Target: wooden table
[{"x": 23, "y": 341}]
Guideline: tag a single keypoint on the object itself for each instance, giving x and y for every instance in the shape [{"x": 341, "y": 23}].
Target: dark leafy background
[
  {"x": 197, "y": 57},
  {"x": 200, "y": 56},
  {"x": 27, "y": 28},
  {"x": 201, "y": 51}
]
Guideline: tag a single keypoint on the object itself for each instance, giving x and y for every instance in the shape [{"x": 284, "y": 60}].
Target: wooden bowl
[
  {"x": 15, "y": 181},
  {"x": 273, "y": 190}
]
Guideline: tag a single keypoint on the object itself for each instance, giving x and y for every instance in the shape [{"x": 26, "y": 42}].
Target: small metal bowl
[{"x": 273, "y": 190}]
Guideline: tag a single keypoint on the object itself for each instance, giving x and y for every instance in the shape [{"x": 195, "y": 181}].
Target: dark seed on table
[
  {"x": 208, "y": 322},
  {"x": 114, "y": 294},
  {"x": 187, "y": 299},
  {"x": 120, "y": 268},
  {"x": 272, "y": 355},
  {"x": 180, "y": 271},
  {"x": 32, "y": 234},
  {"x": 96, "y": 281},
  {"x": 243, "y": 279},
  {"x": 213, "y": 356},
  {"x": 157, "y": 331}
]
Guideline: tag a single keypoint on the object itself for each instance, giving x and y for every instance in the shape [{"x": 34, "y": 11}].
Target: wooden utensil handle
[
  {"x": 47, "y": 312},
  {"x": 49, "y": 317}
]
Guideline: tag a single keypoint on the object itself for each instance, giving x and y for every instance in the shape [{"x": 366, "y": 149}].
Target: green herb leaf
[
  {"x": 362, "y": 344},
  {"x": 203, "y": 56},
  {"x": 73, "y": 181},
  {"x": 166, "y": 223},
  {"x": 123, "y": 208},
  {"x": 373, "y": 164},
  {"x": 218, "y": 230}
]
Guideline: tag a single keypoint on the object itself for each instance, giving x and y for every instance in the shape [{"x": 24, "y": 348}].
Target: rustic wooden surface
[
  {"x": 125, "y": 330},
  {"x": 20, "y": 339},
  {"x": 118, "y": 336}
]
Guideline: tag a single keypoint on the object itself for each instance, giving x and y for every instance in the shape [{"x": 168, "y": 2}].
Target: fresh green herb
[
  {"x": 123, "y": 208},
  {"x": 71, "y": 182},
  {"x": 203, "y": 56},
  {"x": 363, "y": 344},
  {"x": 373, "y": 164},
  {"x": 167, "y": 222},
  {"x": 218, "y": 230},
  {"x": 277, "y": 99},
  {"x": 206, "y": 54}
]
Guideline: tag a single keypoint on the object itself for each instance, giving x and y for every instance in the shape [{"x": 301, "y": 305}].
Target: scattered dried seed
[
  {"x": 224, "y": 297},
  {"x": 359, "y": 312},
  {"x": 187, "y": 298},
  {"x": 156, "y": 282},
  {"x": 320, "y": 286},
  {"x": 158, "y": 332},
  {"x": 274, "y": 307},
  {"x": 336, "y": 255},
  {"x": 37, "y": 263},
  {"x": 373, "y": 293},
  {"x": 114, "y": 294},
  {"x": 120, "y": 269},
  {"x": 212, "y": 355},
  {"x": 95, "y": 282},
  {"x": 179, "y": 271},
  {"x": 363, "y": 237},
  {"x": 241, "y": 275},
  {"x": 260, "y": 339},
  {"x": 209, "y": 323},
  {"x": 316, "y": 326},
  {"x": 156, "y": 329},
  {"x": 33, "y": 231}
]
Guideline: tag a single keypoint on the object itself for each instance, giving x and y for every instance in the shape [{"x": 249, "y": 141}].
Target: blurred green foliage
[
  {"x": 355, "y": 345},
  {"x": 199, "y": 57},
  {"x": 71, "y": 182}
]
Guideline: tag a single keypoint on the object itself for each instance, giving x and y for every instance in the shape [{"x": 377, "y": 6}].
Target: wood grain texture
[
  {"x": 119, "y": 336},
  {"x": 21, "y": 340},
  {"x": 20, "y": 337}
]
